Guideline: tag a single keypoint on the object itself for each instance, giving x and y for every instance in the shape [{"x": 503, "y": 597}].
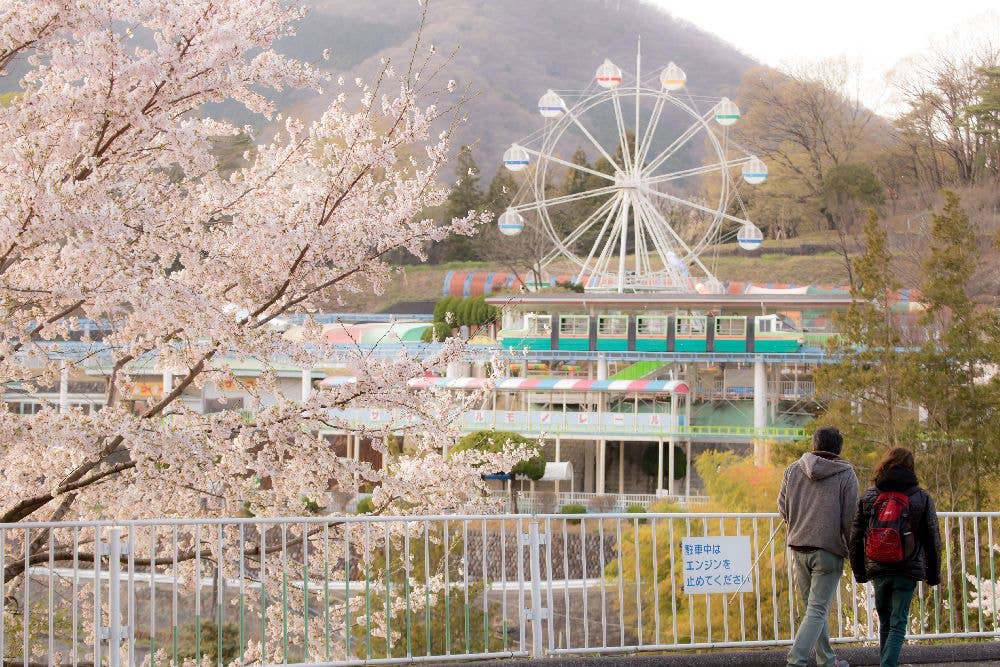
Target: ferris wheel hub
[{"x": 628, "y": 180}]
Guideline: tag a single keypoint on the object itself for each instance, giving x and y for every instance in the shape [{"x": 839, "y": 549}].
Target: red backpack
[{"x": 889, "y": 532}]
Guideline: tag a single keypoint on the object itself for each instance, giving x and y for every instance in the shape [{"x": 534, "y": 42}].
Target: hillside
[{"x": 510, "y": 52}]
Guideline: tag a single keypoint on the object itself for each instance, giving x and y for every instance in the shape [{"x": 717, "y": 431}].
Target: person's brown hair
[{"x": 897, "y": 456}]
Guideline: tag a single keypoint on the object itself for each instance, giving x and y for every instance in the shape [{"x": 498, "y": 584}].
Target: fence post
[
  {"x": 115, "y": 632},
  {"x": 537, "y": 613}
]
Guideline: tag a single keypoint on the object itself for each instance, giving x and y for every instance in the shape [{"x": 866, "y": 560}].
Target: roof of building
[
  {"x": 538, "y": 384},
  {"x": 666, "y": 300}
]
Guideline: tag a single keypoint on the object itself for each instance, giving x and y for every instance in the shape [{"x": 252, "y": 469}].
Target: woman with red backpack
[{"x": 895, "y": 543}]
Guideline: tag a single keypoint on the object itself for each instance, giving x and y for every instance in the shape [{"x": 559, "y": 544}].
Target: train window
[
  {"x": 612, "y": 326},
  {"x": 731, "y": 326},
  {"x": 784, "y": 323},
  {"x": 539, "y": 324},
  {"x": 690, "y": 326},
  {"x": 574, "y": 325},
  {"x": 651, "y": 326},
  {"x": 764, "y": 325}
]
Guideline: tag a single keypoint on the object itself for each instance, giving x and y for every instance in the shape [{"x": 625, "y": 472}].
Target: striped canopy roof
[
  {"x": 557, "y": 384},
  {"x": 538, "y": 384}
]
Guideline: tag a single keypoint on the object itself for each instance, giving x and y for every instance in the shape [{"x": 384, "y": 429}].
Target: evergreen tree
[
  {"x": 951, "y": 378},
  {"x": 501, "y": 192},
  {"x": 865, "y": 390},
  {"x": 984, "y": 117},
  {"x": 467, "y": 195}
]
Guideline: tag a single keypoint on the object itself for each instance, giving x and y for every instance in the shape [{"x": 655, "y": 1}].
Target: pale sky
[{"x": 879, "y": 33}]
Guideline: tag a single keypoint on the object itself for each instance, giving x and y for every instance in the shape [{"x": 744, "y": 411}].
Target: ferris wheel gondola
[{"x": 652, "y": 205}]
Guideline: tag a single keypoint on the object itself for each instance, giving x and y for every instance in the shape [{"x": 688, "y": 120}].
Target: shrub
[
  {"x": 493, "y": 441},
  {"x": 364, "y": 506},
  {"x": 635, "y": 508},
  {"x": 664, "y": 507},
  {"x": 573, "y": 508},
  {"x": 436, "y": 332},
  {"x": 188, "y": 644}
]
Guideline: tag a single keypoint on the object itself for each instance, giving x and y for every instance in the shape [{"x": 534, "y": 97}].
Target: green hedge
[
  {"x": 471, "y": 311},
  {"x": 572, "y": 508}
]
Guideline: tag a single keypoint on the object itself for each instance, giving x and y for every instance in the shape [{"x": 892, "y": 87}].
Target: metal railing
[
  {"x": 381, "y": 590},
  {"x": 786, "y": 389},
  {"x": 540, "y": 502},
  {"x": 614, "y": 425}
]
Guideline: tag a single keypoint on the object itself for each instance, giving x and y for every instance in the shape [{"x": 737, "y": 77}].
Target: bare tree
[{"x": 936, "y": 90}]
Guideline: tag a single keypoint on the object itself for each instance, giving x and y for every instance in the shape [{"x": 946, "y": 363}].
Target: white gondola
[
  {"x": 516, "y": 158},
  {"x": 749, "y": 237},
  {"x": 672, "y": 77},
  {"x": 510, "y": 222},
  {"x": 726, "y": 112},
  {"x": 754, "y": 171},
  {"x": 551, "y": 105},
  {"x": 608, "y": 75}
]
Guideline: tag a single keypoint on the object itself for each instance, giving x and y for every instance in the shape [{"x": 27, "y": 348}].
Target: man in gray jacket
[{"x": 818, "y": 499}]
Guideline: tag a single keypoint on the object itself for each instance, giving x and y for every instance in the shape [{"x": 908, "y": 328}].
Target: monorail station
[{"x": 630, "y": 388}]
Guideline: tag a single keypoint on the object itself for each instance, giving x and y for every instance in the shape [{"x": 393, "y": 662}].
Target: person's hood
[
  {"x": 896, "y": 478},
  {"x": 821, "y": 465}
]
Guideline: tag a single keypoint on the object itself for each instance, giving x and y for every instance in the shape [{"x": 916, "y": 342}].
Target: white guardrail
[
  {"x": 627, "y": 425},
  {"x": 381, "y": 590}
]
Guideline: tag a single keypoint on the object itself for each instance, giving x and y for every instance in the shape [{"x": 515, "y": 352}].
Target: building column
[
  {"x": 621, "y": 467},
  {"x": 659, "y": 466},
  {"x": 306, "y": 384},
  {"x": 64, "y": 389},
  {"x": 759, "y": 411},
  {"x": 672, "y": 443},
  {"x": 589, "y": 467},
  {"x": 558, "y": 451},
  {"x": 687, "y": 444},
  {"x": 687, "y": 473},
  {"x": 599, "y": 468},
  {"x": 459, "y": 369}
]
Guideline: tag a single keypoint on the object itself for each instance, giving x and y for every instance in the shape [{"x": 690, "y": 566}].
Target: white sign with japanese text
[{"x": 716, "y": 564}]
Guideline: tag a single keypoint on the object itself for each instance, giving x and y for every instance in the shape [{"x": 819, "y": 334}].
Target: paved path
[{"x": 940, "y": 655}]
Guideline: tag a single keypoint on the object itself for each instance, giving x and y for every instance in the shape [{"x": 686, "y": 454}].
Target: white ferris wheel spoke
[
  {"x": 677, "y": 144},
  {"x": 689, "y": 253},
  {"x": 566, "y": 163},
  {"x": 622, "y": 133},
  {"x": 691, "y": 204},
  {"x": 660, "y": 243},
  {"x": 563, "y": 199},
  {"x": 623, "y": 244},
  {"x": 647, "y": 137},
  {"x": 611, "y": 206},
  {"x": 582, "y": 227},
  {"x": 607, "y": 251},
  {"x": 597, "y": 144},
  {"x": 695, "y": 171}
]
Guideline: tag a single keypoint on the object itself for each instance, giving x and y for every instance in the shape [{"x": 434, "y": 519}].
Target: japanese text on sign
[{"x": 716, "y": 564}]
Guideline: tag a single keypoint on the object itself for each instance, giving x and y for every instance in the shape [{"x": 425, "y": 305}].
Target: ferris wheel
[{"x": 643, "y": 215}]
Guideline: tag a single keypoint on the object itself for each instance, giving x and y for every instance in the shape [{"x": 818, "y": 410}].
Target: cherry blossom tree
[{"x": 113, "y": 208}]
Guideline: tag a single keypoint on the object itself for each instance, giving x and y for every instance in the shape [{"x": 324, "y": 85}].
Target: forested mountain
[{"x": 509, "y": 52}]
